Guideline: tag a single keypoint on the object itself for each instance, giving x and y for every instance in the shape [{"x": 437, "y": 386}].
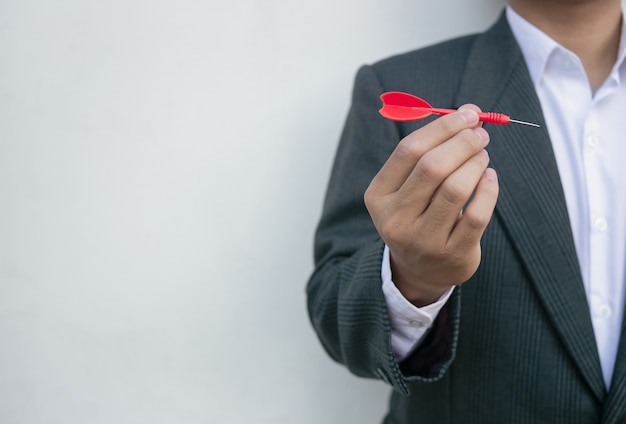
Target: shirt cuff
[{"x": 409, "y": 324}]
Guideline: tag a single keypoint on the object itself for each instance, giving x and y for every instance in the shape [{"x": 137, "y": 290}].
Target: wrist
[{"x": 418, "y": 295}]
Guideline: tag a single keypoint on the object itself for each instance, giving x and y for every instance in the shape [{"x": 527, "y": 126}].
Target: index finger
[{"x": 411, "y": 148}]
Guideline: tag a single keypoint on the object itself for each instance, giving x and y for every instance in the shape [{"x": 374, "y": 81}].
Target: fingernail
[
  {"x": 484, "y": 135},
  {"x": 469, "y": 116},
  {"x": 490, "y": 174}
]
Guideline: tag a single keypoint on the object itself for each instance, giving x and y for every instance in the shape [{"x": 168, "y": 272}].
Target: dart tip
[{"x": 530, "y": 124}]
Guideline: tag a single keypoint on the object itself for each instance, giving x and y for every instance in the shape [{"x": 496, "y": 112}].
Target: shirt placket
[{"x": 604, "y": 291}]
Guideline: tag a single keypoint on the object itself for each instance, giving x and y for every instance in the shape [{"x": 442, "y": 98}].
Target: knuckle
[
  {"x": 451, "y": 124},
  {"x": 454, "y": 191},
  {"x": 476, "y": 222},
  {"x": 429, "y": 169},
  {"x": 409, "y": 148},
  {"x": 478, "y": 163},
  {"x": 391, "y": 231},
  {"x": 369, "y": 197},
  {"x": 470, "y": 140}
]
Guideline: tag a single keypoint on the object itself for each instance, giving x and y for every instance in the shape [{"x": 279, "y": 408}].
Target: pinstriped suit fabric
[{"x": 522, "y": 347}]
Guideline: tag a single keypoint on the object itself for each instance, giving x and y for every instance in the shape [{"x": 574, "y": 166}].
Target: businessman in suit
[{"x": 480, "y": 270}]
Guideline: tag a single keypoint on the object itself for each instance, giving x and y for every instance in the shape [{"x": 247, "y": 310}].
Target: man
[{"x": 480, "y": 271}]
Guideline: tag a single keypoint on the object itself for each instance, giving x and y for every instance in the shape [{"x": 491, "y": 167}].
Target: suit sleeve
[{"x": 345, "y": 299}]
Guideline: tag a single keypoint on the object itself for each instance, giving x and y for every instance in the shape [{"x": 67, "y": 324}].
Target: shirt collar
[{"x": 537, "y": 47}]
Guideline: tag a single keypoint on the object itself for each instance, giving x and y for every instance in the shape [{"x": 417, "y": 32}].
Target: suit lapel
[
  {"x": 615, "y": 406},
  {"x": 531, "y": 204}
]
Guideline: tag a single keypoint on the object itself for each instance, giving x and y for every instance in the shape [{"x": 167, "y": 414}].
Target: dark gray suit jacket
[{"x": 518, "y": 344}]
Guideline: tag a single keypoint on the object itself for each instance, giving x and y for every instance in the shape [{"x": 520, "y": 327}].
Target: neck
[{"x": 589, "y": 28}]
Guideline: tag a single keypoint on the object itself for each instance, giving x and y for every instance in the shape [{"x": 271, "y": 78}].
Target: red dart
[{"x": 404, "y": 107}]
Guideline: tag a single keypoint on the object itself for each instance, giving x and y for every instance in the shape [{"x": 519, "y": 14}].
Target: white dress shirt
[{"x": 588, "y": 133}]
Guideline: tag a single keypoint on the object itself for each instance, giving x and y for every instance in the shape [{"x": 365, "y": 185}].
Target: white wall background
[{"x": 162, "y": 167}]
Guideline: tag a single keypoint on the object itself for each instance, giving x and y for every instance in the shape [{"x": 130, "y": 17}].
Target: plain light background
[{"x": 162, "y": 168}]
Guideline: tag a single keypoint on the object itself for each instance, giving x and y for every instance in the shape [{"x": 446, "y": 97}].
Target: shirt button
[
  {"x": 600, "y": 224},
  {"x": 604, "y": 312},
  {"x": 416, "y": 324},
  {"x": 593, "y": 140}
]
